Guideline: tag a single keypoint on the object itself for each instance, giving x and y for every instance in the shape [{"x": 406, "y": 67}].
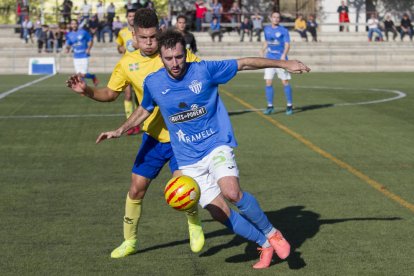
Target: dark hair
[
  {"x": 131, "y": 10},
  {"x": 169, "y": 39},
  {"x": 182, "y": 16},
  {"x": 145, "y": 18}
]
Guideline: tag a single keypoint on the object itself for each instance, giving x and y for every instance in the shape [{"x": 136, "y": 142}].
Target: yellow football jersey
[
  {"x": 125, "y": 39},
  {"x": 133, "y": 69}
]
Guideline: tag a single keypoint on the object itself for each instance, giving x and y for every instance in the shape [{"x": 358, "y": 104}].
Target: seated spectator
[
  {"x": 373, "y": 27},
  {"x": 389, "y": 26},
  {"x": 60, "y": 35},
  {"x": 117, "y": 25},
  {"x": 300, "y": 27},
  {"x": 45, "y": 40},
  {"x": 93, "y": 26},
  {"x": 257, "y": 21},
  {"x": 215, "y": 29},
  {"x": 406, "y": 27},
  {"x": 311, "y": 27},
  {"x": 106, "y": 27},
  {"x": 246, "y": 28}
]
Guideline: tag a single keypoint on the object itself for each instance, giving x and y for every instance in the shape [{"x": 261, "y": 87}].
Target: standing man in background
[
  {"x": 181, "y": 25},
  {"x": 125, "y": 45},
  {"x": 81, "y": 43},
  {"x": 276, "y": 46}
]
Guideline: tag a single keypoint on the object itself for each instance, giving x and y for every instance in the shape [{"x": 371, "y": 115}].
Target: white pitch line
[
  {"x": 399, "y": 94},
  {"x": 60, "y": 116},
  {"x": 5, "y": 94}
]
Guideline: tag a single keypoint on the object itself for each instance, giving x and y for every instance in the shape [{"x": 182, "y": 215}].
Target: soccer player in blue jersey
[
  {"x": 276, "y": 46},
  {"x": 81, "y": 42},
  {"x": 202, "y": 137}
]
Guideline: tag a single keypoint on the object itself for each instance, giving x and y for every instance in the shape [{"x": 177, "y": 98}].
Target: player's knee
[{"x": 233, "y": 195}]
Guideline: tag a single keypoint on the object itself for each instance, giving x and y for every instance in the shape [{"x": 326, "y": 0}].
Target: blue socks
[
  {"x": 269, "y": 95},
  {"x": 89, "y": 76},
  {"x": 288, "y": 94},
  {"x": 250, "y": 208},
  {"x": 239, "y": 225}
]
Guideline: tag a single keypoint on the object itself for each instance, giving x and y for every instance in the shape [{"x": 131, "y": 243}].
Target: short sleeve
[
  {"x": 222, "y": 71},
  {"x": 118, "y": 81},
  {"x": 147, "y": 101}
]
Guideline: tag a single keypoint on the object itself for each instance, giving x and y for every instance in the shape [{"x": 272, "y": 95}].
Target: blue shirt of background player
[
  {"x": 191, "y": 107},
  {"x": 276, "y": 38},
  {"x": 79, "y": 42}
]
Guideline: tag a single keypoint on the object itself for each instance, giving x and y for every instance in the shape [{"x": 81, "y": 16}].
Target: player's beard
[{"x": 177, "y": 71}]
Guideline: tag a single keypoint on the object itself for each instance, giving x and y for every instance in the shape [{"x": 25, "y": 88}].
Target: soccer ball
[{"x": 182, "y": 193}]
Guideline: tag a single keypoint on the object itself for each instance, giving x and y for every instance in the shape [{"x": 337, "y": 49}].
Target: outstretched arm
[
  {"x": 78, "y": 85},
  {"x": 136, "y": 118},
  {"x": 254, "y": 63}
]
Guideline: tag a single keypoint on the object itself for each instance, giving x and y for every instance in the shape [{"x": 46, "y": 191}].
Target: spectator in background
[
  {"x": 246, "y": 28},
  {"x": 389, "y": 26},
  {"x": 42, "y": 41},
  {"x": 60, "y": 35},
  {"x": 164, "y": 22},
  {"x": 93, "y": 26},
  {"x": 100, "y": 10},
  {"x": 235, "y": 12},
  {"x": 406, "y": 27},
  {"x": 110, "y": 12},
  {"x": 130, "y": 6},
  {"x": 181, "y": 26},
  {"x": 300, "y": 27},
  {"x": 27, "y": 28},
  {"x": 38, "y": 28},
  {"x": 117, "y": 25},
  {"x": 257, "y": 21},
  {"x": 217, "y": 10},
  {"x": 311, "y": 27},
  {"x": 215, "y": 30},
  {"x": 199, "y": 14},
  {"x": 67, "y": 10},
  {"x": 343, "y": 12},
  {"x": 106, "y": 27},
  {"x": 373, "y": 27},
  {"x": 85, "y": 10}
]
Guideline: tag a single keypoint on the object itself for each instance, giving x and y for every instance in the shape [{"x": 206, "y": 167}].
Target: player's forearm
[
  {"x": 100, "y": 94},
  {"x": 136, "y": 118},
  {"x": 259, "y": 63}
]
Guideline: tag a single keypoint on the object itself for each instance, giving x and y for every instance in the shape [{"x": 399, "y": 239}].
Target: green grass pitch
[{"x": 62, "y": 196}]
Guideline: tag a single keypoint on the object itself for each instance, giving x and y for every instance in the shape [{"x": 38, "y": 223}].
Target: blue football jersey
[
  {"x": 276, "y": 38},
  {"x": 79, "y": 42},
  {"x": 192, "y": 109}
]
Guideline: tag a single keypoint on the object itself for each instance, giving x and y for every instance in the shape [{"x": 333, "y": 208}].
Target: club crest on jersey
[
  {"x": 133, "y": 67},
  {"x": 196, "y": 86}
]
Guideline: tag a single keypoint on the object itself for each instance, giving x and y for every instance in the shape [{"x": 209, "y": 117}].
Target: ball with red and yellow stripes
[{"x": 182, "y": 193}]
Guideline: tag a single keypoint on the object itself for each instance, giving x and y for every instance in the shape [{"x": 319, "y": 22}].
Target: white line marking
[
  {"x": 5, "y": 94},
  {"x": 60, "y": 116},
  {"x": 399, "y": 94}
]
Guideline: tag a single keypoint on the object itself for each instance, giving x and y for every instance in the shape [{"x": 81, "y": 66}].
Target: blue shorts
[{"x": 152, "y": 156}]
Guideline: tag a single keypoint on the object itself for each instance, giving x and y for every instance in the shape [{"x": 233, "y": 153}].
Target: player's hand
[
  {"x": 77, "y": 83},
  {"x": 296, "y": 67},
  {"x": 108, "y": 135}
]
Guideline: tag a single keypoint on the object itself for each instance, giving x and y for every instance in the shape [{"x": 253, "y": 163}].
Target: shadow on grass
[{"x": 296, "y": 224}]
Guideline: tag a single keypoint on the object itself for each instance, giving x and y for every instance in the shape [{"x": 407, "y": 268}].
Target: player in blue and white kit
[
  {"x": 81, "y": 42},
  {"x": 202, "y": 136},
  {"x": 276, "y": 46}
]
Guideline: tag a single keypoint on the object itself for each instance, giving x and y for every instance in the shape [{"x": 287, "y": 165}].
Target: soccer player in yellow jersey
[
  {"x": 126, "y": 44},
  {"x": 155, "y": 150}
]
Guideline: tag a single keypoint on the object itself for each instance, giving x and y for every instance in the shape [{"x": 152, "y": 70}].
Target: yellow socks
[
  {"x": 129, "y": 108},
  {"x": 132, "y": 214}
]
